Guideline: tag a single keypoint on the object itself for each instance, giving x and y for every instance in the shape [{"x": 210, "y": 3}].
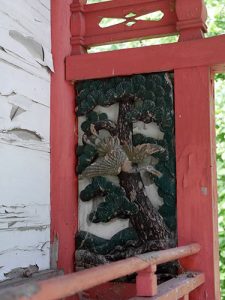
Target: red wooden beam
[{"x": 203, "y": 52}]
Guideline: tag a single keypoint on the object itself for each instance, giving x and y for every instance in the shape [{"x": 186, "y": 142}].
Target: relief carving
[{"x": 120, "y": 158}]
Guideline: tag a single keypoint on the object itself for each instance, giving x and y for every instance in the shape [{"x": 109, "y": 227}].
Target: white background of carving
[{"x": 25, "y": 61}]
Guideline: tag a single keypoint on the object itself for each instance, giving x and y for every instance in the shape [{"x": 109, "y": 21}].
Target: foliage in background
[
  {"x": 220, "y": 132},
  {"x": 216, "y": 25}
]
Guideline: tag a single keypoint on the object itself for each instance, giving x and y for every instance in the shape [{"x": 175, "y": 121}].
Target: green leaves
[{"x": 220, "y": 141}]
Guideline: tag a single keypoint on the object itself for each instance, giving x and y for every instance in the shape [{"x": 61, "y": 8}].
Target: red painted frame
[
  {"x": 194, "y": 61},
  {"x": 62, "y": 123}
]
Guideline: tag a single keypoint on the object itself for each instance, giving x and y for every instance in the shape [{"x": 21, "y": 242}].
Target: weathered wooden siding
[{"x": 25, "y": 66}]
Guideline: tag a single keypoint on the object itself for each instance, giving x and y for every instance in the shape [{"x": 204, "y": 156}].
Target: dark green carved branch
[
  {"x": 100, "y": 186},
  {"x": 116, "y": 204},
  {"x": 86, "y": 155},
  {"x": 98, "y": 122}
]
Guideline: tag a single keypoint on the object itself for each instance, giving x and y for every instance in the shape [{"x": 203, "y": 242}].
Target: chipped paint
[
  {"x": 22, "y": 272},
  {"x": 26, "y": 64}
]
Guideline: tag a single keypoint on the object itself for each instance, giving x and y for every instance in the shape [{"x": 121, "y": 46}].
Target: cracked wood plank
[{"x": 26, "y": 64}]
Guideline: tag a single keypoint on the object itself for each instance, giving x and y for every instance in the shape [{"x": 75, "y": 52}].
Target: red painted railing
[{"x": 146, "y": 281}]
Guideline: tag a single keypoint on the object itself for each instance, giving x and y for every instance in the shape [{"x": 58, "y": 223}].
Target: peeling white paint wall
[{"x": 25, "y": 66}]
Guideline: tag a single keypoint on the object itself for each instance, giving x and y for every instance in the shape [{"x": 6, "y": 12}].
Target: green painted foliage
[
  {"x": 152, "y": 96},
  {"x": 116, "y": 204},
  {"x": 86, "y": 154}
]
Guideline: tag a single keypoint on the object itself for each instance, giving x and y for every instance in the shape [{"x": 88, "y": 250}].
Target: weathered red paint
[{"x": 63, "y": 180}]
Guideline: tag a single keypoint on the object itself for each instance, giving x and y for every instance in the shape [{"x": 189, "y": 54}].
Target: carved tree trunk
[{"x": 148, "y": 223}]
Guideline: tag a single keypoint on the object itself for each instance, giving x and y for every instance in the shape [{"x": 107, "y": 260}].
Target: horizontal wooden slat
[
  {"x": 134, "y": 61},
  {"x": 176, "y": 288},
  {"x": 68, "y": 285},
  {"x": 137, "y": 32}
]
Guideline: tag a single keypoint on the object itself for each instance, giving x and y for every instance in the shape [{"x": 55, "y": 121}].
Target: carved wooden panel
[{"x": 126, "y": 167}]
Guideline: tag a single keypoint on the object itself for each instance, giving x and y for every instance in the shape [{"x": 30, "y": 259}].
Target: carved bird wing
[
  {"x": 110, "y": 164},
  {"x": 139, "y": 153},
  {"x": 107, "y": 145}
]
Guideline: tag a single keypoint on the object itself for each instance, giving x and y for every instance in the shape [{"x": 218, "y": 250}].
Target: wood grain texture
[{"x": 25, "y": 63}]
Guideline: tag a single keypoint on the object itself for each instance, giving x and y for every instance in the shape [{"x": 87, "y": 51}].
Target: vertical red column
[
  {"x": 195, "y": 156},
  {"x": 196, "y": 175},
  {"x": 63, "y": 180}
]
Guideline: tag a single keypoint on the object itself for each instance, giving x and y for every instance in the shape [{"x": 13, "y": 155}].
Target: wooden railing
[{"x": 146, "y": 281}]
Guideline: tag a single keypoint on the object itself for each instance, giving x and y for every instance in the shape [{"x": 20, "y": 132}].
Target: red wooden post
[
  {"x": 63, "y": 180},
  {"x": 195, "y": 154},
  {"x": 192, "y": 16},
  {"x": 146, "y": 282},
  {"x": 196, "y": 174},
  {"x": 77, "y": 26}
]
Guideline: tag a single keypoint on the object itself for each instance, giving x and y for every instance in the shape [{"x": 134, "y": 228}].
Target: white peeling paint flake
[{"x": 26, "y": 66}]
